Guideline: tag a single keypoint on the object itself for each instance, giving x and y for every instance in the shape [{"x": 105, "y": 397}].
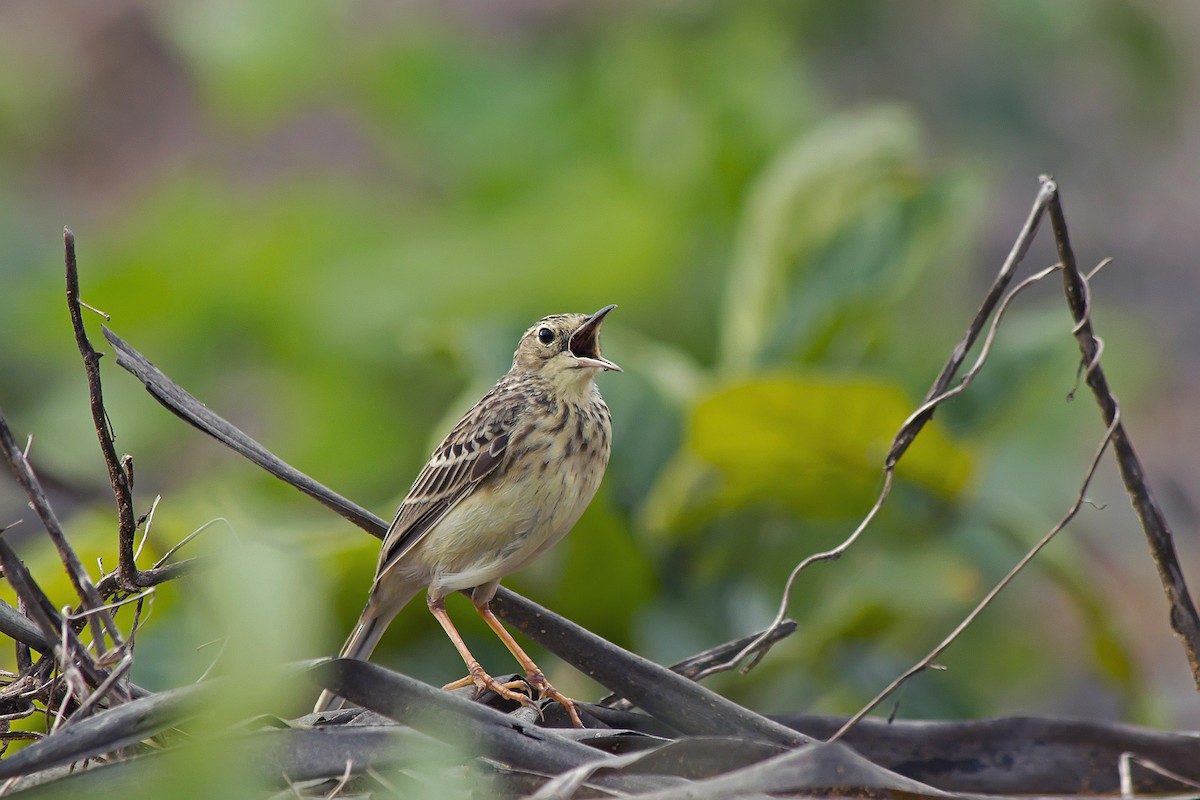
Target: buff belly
[{"x": 503, "y": 526}]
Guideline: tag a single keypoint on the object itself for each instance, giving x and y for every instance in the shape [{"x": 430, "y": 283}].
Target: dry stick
[
  {"x": 116, "y": 474},
  {"x": 46, "y": 617},
  {"x": 34, "y": 603},
  {"x": 709, "y": 662},
  {"x": 105, "y": 688},
  {"x": 716, "y": 659},
  {"x": 114, "y": 584},
  {"x": 130, "y": 578},
  {"x": 936, "y": 395},
  {"x": 179, "y": 402},
  {"x": 1183, "y": 617},
  {"x": 925, "y": 662},
  {"x": 188, "y": 539},
  {"x": 1020, "y": 247},
  {"x": 23, "y": 655},
  {"x": 25, "y": 476}
]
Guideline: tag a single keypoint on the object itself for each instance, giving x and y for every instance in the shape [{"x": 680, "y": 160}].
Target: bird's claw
[
  {"x": 538, "y": 681},
  {"x": 515, "y": 691},
  {"x": 484, "y": 682}
]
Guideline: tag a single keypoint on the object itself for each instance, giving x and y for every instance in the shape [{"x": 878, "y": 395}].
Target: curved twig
[
  {"x": 925, "y": 662},
  {"x": 904, "y": 436}
]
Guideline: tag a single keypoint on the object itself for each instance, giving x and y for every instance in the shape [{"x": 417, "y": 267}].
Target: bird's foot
[
  {"x": 484, "y": 682},
  {"x": 537, "y": 680}
]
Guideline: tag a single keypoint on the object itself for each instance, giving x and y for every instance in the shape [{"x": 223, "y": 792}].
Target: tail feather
[{"x": 371, "y": 625}]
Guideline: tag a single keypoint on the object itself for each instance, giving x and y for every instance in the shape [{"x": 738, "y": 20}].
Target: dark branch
[
  {"x": 25, "y": 476},
  {"x": 113, "y": 584},
  {"x": 683, "y": 704},
  {"x": 17, "y": 626},
  {"x": 47, "y": 618},
  {"x": 188, "y": 408},
  {"x": 716, "y": 659},
  {"x": 938, "y": 393},
  {"x": 1015, "y": 256},
  {"x": 1183, "y": 616},
  {"x": 117, "y": 475}
]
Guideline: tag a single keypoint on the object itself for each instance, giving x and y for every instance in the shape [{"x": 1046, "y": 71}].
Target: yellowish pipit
[{"x": 511, "y": 478}]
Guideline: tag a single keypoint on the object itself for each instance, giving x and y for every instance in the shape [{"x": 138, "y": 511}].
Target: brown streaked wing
[{"x": 467, "y": 455}]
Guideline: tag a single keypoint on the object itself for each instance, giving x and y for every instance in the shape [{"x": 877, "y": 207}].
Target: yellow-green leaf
[{"x": 816, "y": 444}]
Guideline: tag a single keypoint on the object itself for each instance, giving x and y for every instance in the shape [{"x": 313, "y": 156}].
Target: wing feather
[{"x": 469, "y": 453}]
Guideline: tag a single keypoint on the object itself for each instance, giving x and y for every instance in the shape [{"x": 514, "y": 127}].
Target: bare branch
[
  {"x": 938, "y": 393},
  {"x": 15, "y": 622},
  {"x": 713, "y": 660},
  {"x": 112, "y": 583},
  {"x": 53, "y": 627},
  {"x": 191, "y": 410},
  {"x": 25, "y": 476},
  {"x": 1183, "y": 617},
  {"x": 927, "y": 661},
  {"x": 117, "y": 474},
  {"x": 999, "y": 285},
  {"x": 107, "y": 686}
]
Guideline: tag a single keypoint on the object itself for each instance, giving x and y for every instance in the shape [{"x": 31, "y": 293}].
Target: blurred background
[{"x": 331, "y": 221}]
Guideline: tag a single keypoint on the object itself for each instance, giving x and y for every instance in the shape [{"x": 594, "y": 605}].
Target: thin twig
[
  {"x": 984, "y": 351},
  {"x": 341, "y": 784},
  {"x": 103, "y": 690},
  {"x": 96, "y": 311},
  {"x": 117, "y": 475},
  {"x": 939, "y": 393},
  {"x": 999, "y": 285},
  {"x": 185, "y": 540},
  {"x": 112, "y": 583},
  {"x": 43, "y": 614},
  {"x": 111, "y": 606},
  {"x": 754, "y": 648},
  {"x": 1183, "y": 617},
  {"x": 224, "y": 640},
  {"x": 138, "y": 619},
  {"x": 925, "y": 662},
  {"x": 145, "y": 521},
  {"x": 712, "y": 660}
]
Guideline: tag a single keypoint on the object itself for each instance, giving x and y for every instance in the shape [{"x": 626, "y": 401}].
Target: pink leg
[{"x": 477, "y": 676}]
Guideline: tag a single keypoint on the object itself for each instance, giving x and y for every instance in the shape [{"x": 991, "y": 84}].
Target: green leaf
[
  {"x": 816, "y": 444},
  {"x": 813, "y": 190}
]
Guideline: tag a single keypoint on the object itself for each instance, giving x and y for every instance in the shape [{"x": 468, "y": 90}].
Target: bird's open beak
[{"x": 584, "y": 343}]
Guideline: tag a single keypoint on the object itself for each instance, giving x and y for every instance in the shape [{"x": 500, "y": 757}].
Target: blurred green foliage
[{"x": 791, "y": 278}]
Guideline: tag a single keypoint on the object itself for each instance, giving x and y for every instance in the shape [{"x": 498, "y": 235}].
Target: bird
[{"x": 508, "y": 482}]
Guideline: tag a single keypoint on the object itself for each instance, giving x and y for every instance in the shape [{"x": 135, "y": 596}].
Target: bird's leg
[
  {"x": 534, "y": 674},
  {"x": 463, "y": 683},
  {"x": 477, "y": 676}
]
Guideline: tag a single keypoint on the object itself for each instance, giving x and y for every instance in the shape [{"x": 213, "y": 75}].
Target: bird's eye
[{"x": 545, "y": 336}]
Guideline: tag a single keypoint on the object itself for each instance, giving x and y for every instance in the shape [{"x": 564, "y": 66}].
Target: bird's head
[{"x": 564, "y": 348}]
